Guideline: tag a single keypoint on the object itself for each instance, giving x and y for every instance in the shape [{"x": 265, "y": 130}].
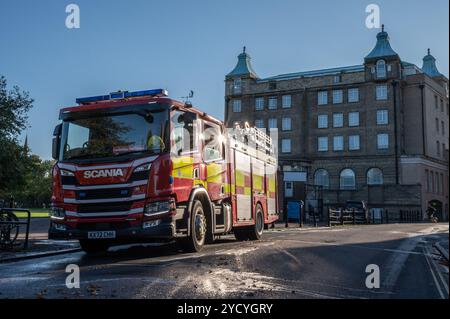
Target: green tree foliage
[
  {"x": 36, "y": 190},
  {"x": 14, "y": 106}
]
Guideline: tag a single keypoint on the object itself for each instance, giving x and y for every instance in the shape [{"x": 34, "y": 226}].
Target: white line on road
[
  {"x": 436, "y": 269},
  {"x": 344, "y": 245},
  {"x": 438, "y": 287}
]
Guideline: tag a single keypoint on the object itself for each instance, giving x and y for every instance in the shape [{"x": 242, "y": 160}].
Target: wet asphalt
[{"x": 286, "y": 263}]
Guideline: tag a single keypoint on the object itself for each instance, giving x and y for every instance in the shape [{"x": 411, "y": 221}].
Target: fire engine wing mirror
[{"x": 56, "y": 141}]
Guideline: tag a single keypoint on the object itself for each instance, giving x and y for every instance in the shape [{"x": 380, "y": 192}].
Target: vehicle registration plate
[{"x": 101, "y": 234}]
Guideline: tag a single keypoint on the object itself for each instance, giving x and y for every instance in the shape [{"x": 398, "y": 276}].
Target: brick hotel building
[{"x": 376, "y": 131}]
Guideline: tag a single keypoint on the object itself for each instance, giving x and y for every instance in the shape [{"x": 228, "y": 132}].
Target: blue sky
[{"x": 183, "y": 45}]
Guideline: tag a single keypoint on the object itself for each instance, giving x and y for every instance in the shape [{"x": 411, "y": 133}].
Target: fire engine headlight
[
  {"x": 157, "y": 208},
  {"x": 57, "y": 212},
  {"x": 66, "y": 173},
  {"x": 143, "y": 168}
]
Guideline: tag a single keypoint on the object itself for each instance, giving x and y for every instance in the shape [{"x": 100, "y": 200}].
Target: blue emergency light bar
[{"x": 121, "y": 95}]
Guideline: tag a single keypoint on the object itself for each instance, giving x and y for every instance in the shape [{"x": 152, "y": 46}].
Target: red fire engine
[{"x": 139, "y": 166}]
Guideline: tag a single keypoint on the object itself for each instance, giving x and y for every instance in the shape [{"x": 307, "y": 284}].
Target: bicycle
[{"x": 9, "y": 227}]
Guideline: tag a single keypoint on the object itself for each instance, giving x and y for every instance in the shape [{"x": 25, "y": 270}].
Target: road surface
[{"x": 286, "y": 263}]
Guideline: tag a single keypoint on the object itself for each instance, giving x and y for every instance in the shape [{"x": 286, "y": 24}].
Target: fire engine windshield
[{"x": 120, "y": 135}]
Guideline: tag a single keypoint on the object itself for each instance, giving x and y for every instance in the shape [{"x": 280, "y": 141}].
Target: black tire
[
  {"x": 241, "y": 234},
  {"x": 94, "y": 246},
  {"x": 253, "y": 232},
  {"x": 8, "y": 233},
  {"x": 256, "y": 231},
  {"x": 196, "y": 239}
]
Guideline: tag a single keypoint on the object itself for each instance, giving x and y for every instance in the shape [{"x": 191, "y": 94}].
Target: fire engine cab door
[{"x": 243, "y": 186}]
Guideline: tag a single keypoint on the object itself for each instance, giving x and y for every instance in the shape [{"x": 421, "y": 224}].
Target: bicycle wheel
[{"x": 8, "y": 233}]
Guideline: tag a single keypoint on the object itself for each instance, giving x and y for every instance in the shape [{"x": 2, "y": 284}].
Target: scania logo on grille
[{"x": 103, "y": 173}]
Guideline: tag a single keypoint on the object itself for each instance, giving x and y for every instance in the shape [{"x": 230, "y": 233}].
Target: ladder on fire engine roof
[{"x": 254, "y": 142}]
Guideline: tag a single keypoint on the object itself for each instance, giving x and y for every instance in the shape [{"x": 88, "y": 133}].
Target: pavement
[
  {"x": 286, "y": 263},
  {"x": 38, "y": 245}
]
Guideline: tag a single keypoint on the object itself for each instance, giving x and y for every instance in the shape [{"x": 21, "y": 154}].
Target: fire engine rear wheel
[
  {"x": 94, "y": 246},
  {"x": 253, "y": 232},
  {"x": 196, "y": 239},
  {"x": 256, "y": 231}
]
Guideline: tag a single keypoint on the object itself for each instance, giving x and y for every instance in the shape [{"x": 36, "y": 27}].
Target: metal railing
[{"x": 346, "y": 217}]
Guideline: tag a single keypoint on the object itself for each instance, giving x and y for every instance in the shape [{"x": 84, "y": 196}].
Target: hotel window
[
  {"x": 442, "y": 183},
  {"x": 353, "y": 95},
  {"x": 272, "y": 123},
  {"x": 286, "y": 101},
  {"x": 237, "y": 107},
  {"x": 285, "y": 146},
  {"x": 286, "y": 124},
  {"x": 381, "y": 92},
  {"x": 438, "y": 189},
  {"x": 436, "y": 102},
  {"x": 322, "y": 144},
  {"x": 442, "y": 105},
  {"x": 443, "y": 127},
  {"x": 322, "y": 98},
  {"x": 288, "y": 189},
  {"x": 322, "y": 178},
  {"x": 381, "y": 69},
  {"x": 259, "y": 104},
  {"x": 437, "y": 125},
  {"x": 353, "y": 119},
  {"x": 337, "y": 79},
  {"x": 374, "y": 176},
  {"x": 438, "y": 148},
  {"x": 353, "y": 143},
  {"x": 338, "y": 143},
  {"x": 347, "y": 179},
  {"x": 338, "y": 96},
  {"x": 338, "y": 120},
  {"x": 273, "y": 103},
  {"x": 433, "y": 186},
  {"x": 382, "y": 141},
  {"x": 382, "y": 117},
  {"x": 322, "y": 121},
  {"x": 259, "y": 123},
  {"x": 237, "y": 86},
  {"x": 427, "y": 177}
]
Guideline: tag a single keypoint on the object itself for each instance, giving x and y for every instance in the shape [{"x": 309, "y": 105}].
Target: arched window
[
  {"x": 347, "y": 179},
  {"x": 374, "y": 176},
  {"x": 321, "y": 178},
  {"x": 381, "y": 69}
]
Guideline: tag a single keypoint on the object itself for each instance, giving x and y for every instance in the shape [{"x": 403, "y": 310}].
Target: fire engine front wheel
[
  {"x": 196, "y": 239},
  {"x": 94, "y": 246}
]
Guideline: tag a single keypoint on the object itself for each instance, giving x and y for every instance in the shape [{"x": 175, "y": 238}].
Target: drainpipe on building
[
  {"x": 422, "y": 97},
  {"x": 394, "y": 88}
]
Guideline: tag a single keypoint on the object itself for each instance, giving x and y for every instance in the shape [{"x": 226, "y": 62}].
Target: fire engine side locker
[
  {"x": 271, "y": 182},
  {"x": 259, "y": 184},
  {"x": 243, "y": 187}
]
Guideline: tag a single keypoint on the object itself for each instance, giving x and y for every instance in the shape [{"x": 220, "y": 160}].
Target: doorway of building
[{"x": 437, "y": 205}]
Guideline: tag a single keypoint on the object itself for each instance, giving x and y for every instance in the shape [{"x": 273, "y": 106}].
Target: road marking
[
  {"x": 344, "y": 245},
  {"x": 436, "y": 268},
  {"x": 434, "y": 278}
]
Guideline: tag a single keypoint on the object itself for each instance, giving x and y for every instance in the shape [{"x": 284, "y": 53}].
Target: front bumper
[{"x": 166, "y": 230}]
